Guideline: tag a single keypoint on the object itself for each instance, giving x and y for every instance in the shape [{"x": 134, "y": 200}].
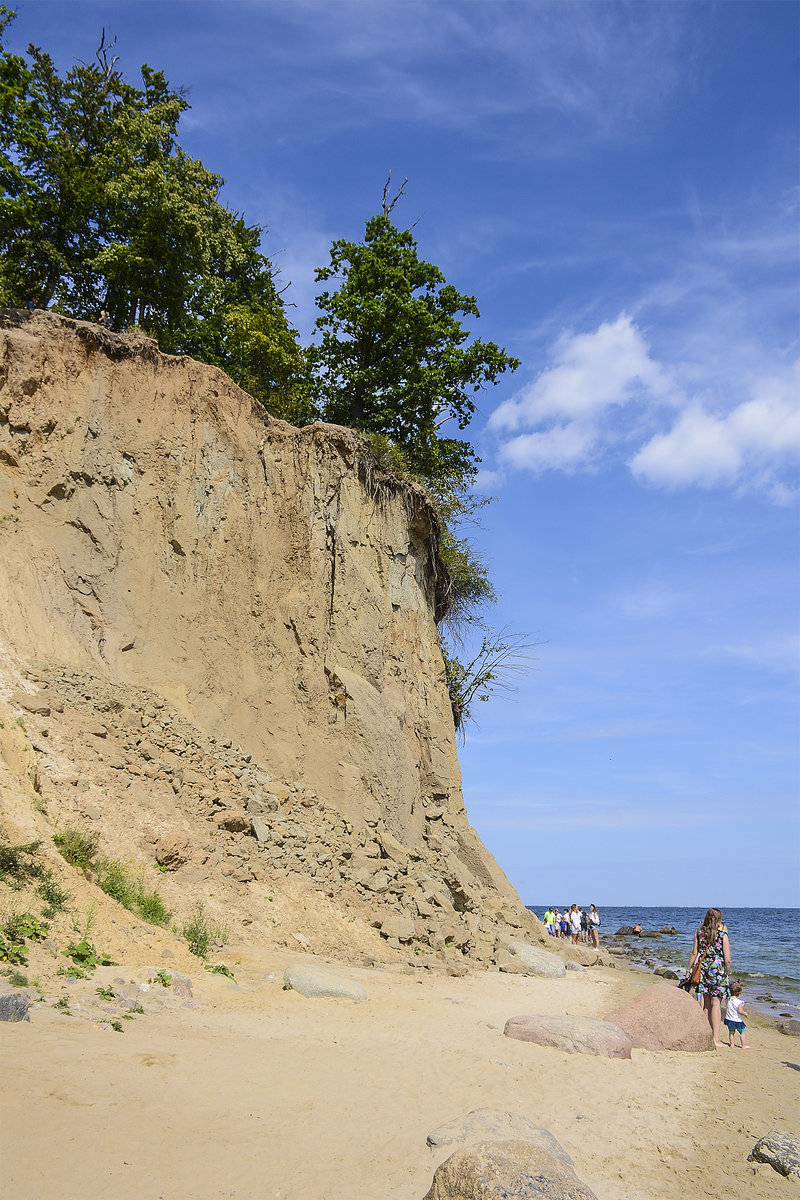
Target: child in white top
[{"x": 733, "y": 1015}]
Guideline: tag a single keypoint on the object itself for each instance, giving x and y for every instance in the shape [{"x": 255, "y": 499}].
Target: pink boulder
[{"x": 664, "y": 1018}]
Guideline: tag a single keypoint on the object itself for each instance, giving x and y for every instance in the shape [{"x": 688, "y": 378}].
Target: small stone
[{"x": 14, "y": 1007}]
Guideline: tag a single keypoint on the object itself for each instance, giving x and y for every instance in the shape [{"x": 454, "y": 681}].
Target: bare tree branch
[
  {"x": 102, "y": 53},
  {"x": 388, "y": 206}
]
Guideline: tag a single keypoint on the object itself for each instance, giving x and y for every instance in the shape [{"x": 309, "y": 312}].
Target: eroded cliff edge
[{"x": 230, "y": 625}]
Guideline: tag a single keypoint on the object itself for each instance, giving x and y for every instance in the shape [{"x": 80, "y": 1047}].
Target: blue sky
[{"x": 617, "y": 183}]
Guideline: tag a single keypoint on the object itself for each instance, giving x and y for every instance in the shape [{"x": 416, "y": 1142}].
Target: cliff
[{"x": 219, "y": 652}]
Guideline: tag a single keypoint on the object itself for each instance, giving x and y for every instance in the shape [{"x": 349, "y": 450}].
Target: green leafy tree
[
  {"x": 51, "y": 135},
  {"x": 100, "y": 207},
  {"x": 393, "y": 356}
]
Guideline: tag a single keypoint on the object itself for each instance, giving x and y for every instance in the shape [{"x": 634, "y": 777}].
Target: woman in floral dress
[{"x": 712, "y": 947}]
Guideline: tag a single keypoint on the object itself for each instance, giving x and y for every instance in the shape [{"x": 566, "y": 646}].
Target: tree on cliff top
[
  {"x": 100, "y": 207},
  {"x": 394, "y": 357}
]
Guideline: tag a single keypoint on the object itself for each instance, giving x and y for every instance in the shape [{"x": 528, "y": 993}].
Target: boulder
[
  {"x": 664, "y": 1018},
  {"x": 398, "y": 927},
  {"x": 316, "y": 982},
  {"x": 534, "y": 960},
  {"x": 260, "y": 830},
  {"x": 235, "y": 820},
  {"x": 510, "y": 1170},
  {"x": 14, "y": 1007},
  {"x": 493, "y": 1124},
  {"x": 172, "y": 851},
  {"x": 32, "y": 704},
  {"x": 781, "y": 1150},
  {"x": 584, "y": 954},
  {"x": 393, "y": 849},
  {"x": 573, "y": 1035},
  {"x": 792, "y": 1027}
]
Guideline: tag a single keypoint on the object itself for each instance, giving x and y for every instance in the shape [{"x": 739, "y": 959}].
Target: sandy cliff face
[{"x": 168, "y": 548}]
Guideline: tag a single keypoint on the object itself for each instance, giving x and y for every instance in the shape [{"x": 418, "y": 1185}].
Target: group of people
[
  {"x": 710, "y": 964},
  {"x": 577, "y": 924}
]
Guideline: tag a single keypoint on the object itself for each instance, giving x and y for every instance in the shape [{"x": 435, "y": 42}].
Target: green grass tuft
[
  {"x": 127, "y": 886},
  {"x": 77, "y": 847}
]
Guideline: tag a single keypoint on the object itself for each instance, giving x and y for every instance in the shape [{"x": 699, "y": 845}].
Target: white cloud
[
  {"x": 562, "y": 447},
  {"x": 606, "y": 398},
  {"x": 747, "y": 446},
  {"x": 591, "y": 372}
]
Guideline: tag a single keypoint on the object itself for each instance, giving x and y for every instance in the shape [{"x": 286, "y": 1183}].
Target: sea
[{"x": 765, "y": 948}]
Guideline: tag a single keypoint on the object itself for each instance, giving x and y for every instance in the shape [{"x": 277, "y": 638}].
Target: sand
[{"x": 260, "y": 1093}]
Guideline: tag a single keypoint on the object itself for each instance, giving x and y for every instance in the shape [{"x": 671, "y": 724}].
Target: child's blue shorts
[{"x": 735, "y": 1026}]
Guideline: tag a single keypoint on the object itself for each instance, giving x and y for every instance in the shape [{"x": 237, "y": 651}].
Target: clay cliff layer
[{"x": 248, "y": 610}]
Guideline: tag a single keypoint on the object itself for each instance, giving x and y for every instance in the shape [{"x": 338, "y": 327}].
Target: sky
[{"x": 617, "y": 183}]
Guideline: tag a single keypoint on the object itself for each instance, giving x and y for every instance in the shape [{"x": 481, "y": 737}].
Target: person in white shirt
[
  {"x": 594, "y": 924},
  {"x": 733, "y": 1015}
]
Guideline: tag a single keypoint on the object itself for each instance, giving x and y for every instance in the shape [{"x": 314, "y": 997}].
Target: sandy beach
[{"x": 260, "y": 1093}]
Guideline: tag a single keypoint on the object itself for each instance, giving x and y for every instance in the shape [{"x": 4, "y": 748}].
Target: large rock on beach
[
  {"x": 509, "y": 1170},
  {"x": 14, "y": 1007},
  {"x": 573, "y": 1035},
  {"x": 583, "y": 954},
  {"x": 316, "y": 983},
  {"x": 494, "y": 1124},
  {"x": 781, "y": 1150},
  {"x": 521, "y": 958},
  {"x": 664, "y": 1018}
]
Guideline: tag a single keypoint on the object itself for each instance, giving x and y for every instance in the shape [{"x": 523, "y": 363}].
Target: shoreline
[
  {"x": 260, "y": 1093},
  {"x": 773, "y": 996}
]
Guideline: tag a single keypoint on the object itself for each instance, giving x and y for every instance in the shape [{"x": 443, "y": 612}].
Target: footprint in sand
[{"x": 157, "y": 1060}]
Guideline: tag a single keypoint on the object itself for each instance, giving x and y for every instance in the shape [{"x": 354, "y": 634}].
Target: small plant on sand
[
  {"x": 17, "y": 979},
  {"x": 63, "y": 1004},
  {"x": 105, "y": 993},
  {"x": 162, "y": 977},
  {"x": 18, "y": 864},
  {"x": 77, "y": 847},
  {"x": 219, "y": 969},
  {"x": 86, "y": 957},
  {"x": 55, "y": 897},
  {"x": 20, "y": 927},
  {"x": 117, "y": 1026},
  {"x": 200, "y": 934},
  {"x": 197, "y": 932},
  {"x": 13, "y": 952}
]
